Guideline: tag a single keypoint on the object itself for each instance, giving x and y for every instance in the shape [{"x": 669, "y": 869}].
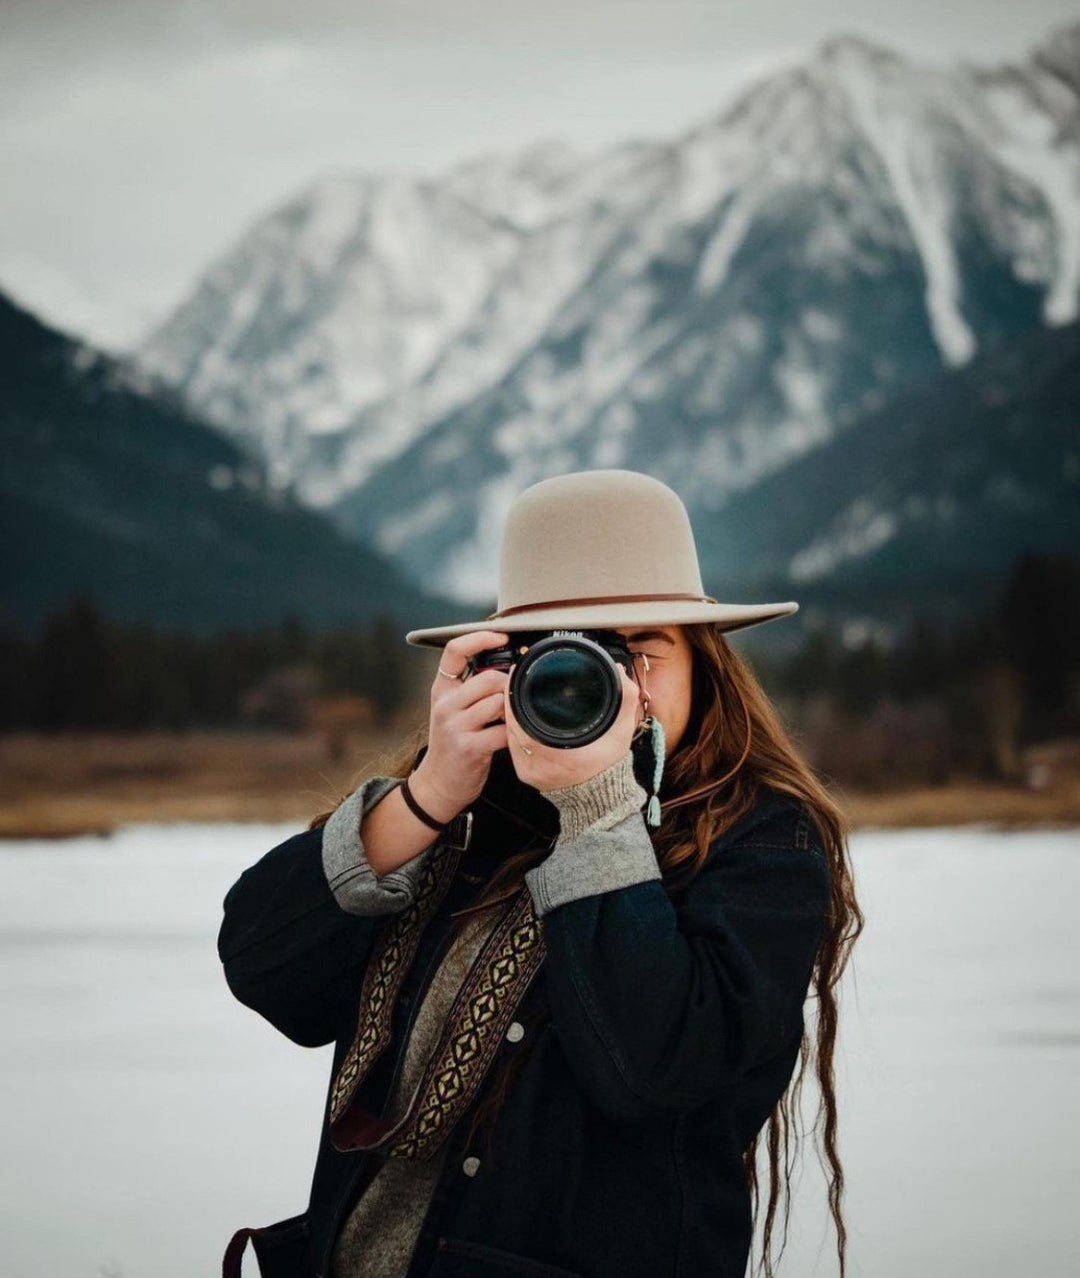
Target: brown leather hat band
[{"x": 598, "y": 599}]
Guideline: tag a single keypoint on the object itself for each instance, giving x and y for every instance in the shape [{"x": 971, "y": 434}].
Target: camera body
[{"x": 564, "y": 684}]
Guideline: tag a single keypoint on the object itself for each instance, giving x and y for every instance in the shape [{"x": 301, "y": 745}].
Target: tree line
[
  {"x": 82, "y": 670},
  {"x": 942, "y": 699}
]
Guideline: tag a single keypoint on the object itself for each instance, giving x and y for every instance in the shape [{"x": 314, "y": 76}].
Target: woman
[{"x": 560, "y": 1023}]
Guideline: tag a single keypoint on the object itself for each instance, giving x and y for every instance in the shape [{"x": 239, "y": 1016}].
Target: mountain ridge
[
  {"x": 708, "y": 308},
  {"x": 120, "y": 495}
]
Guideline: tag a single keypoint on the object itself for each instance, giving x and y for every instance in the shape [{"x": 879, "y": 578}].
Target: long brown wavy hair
[{"x": 733, "y": 745}]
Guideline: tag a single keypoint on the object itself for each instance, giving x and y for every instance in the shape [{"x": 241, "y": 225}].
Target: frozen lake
[{"x": 147, "y": 1114}]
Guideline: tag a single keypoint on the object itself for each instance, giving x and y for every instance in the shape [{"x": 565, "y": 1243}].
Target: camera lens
[{"x": 566, "y": 691}]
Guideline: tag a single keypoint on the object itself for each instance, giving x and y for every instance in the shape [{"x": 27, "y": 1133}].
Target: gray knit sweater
[{"x": 378, "y": 1237}]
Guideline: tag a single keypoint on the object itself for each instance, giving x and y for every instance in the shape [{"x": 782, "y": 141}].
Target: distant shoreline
[{"x": 67, "y": 784}]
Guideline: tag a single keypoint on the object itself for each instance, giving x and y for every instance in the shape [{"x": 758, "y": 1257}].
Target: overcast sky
[{"x": 139, "y": 138}]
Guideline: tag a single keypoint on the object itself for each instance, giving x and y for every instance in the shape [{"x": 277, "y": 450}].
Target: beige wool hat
[{"x": 596, "y": 549}]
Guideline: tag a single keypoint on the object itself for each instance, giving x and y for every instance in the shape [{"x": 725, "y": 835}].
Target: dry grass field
[
  {"x": 56, "y": 785},
  {"x": 73, "y": 783}
]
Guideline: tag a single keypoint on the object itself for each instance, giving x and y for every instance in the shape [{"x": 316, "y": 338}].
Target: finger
[
  {"x": 457, "y": 650},
  {"x": 479, "y": 685},
  {"x": 482, "y": 711},
  {"x": 633, "y": 706},
  {"x": 508, "y": 708},
  {"x": 630, "y": 688},
  {"x": 493, "y": 738}
]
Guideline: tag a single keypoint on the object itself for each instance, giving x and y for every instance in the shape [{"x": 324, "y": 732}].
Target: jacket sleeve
[
  {"x": 659, "y": 1008},
  {"x": 299, "y": 923}
]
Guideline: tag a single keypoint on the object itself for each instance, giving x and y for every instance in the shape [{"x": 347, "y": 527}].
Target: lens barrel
[{"x": 565, "y": 691}]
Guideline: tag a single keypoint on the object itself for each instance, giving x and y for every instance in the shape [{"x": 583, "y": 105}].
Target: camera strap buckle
[{"x": 458, "y": 832}]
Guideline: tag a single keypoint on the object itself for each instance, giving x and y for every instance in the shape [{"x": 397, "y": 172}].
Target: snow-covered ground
[{"x": 147, "y": 1114}]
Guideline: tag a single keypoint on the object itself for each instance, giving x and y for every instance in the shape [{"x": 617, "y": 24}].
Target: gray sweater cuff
[
  {"x": 603, "y": 841},
  {"x": 603, "y": 800},
  {"x": 355, "y": 885}
]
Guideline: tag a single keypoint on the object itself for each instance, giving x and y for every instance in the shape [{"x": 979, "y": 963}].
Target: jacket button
[
  {"x": 516, "y": 1032},
  {"x": 471, "y": 1165}
]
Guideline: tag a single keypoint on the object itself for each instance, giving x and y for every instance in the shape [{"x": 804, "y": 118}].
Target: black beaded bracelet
[{"x": 417, "y": 810}]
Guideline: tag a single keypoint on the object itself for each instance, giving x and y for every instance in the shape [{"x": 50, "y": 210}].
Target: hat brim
[{"x": 726, "y": 616}]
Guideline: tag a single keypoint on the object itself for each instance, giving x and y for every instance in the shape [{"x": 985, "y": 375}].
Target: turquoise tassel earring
[{"x": 656, "y": 730}]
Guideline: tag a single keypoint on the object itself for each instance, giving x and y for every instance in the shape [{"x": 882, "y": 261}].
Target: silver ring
[{"x": 448, "y": 675}]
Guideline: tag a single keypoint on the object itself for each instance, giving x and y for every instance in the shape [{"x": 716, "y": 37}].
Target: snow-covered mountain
[
  {"x": 926, "y": 503},
  {"x": 400, "y": 295},
  {"x": 411, "y": 353}
]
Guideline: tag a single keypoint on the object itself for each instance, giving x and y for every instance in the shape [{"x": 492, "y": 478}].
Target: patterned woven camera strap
[{"x": 481, "y": 1012}]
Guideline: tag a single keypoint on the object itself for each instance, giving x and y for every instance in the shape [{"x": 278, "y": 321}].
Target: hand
[
  {"x": 455, "y": 767},
  {"x": 552, "y": 768}
]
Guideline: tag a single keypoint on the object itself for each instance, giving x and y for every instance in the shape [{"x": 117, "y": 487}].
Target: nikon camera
[{"x": 564, "y": 684}]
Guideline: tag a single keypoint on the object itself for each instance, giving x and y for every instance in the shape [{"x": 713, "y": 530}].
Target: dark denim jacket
[{"x": 658, "y": 1036}]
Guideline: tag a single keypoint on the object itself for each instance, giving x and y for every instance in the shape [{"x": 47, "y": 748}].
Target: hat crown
[{"x": 596, "y": 534}]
